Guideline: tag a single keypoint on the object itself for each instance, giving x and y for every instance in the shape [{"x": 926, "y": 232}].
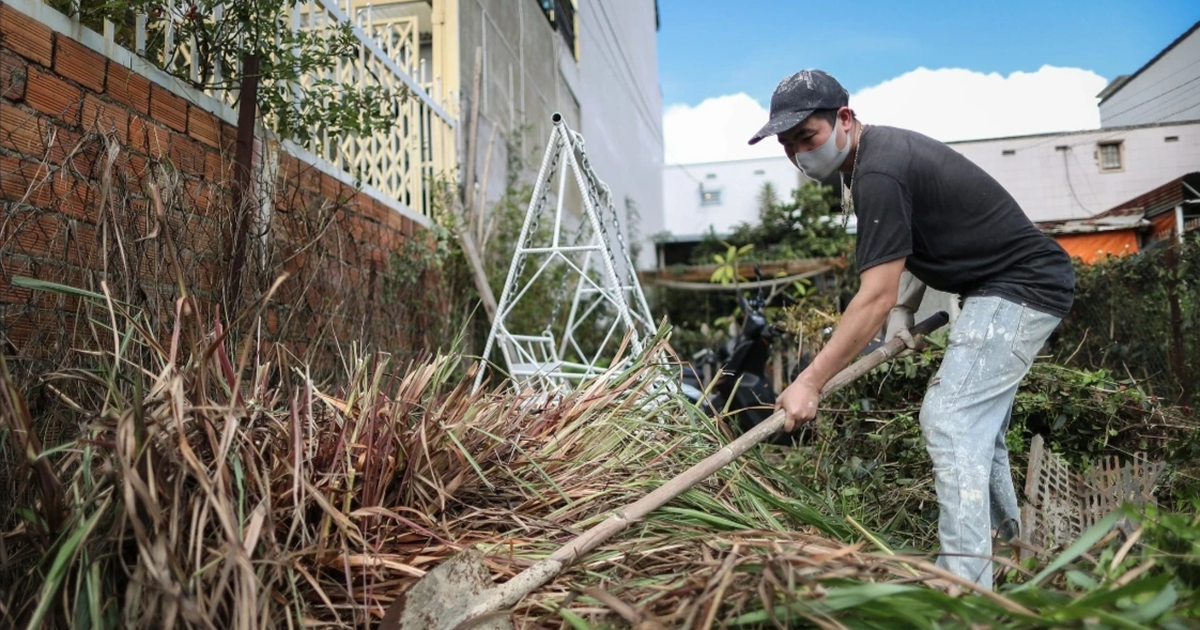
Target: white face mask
[{"x": 822, "y": 161}]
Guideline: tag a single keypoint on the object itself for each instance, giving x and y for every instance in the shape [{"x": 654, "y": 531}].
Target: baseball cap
[{"x": 798, "y": 96}]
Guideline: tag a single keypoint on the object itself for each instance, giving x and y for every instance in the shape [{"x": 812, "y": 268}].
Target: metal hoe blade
[
  {"x": 445, "y": 596},
  {"x": 459, "y": 593}
]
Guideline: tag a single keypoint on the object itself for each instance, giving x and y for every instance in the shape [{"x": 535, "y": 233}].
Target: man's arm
[{"x": 863, "y": 318}]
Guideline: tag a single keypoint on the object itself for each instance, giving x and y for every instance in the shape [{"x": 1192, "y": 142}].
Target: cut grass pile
[{"x": 208, "y": 488}]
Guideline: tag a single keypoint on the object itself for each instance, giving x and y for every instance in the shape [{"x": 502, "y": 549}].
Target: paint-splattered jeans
[{"x": 964, "y": 418}]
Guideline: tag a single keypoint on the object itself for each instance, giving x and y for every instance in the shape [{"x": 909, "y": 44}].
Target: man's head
[{"x": 806, "y": 109}]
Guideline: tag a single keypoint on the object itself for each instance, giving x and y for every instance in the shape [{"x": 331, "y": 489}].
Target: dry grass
[
  {"x": 206, "y": 490},
  {"x": 210, "y": 481}
]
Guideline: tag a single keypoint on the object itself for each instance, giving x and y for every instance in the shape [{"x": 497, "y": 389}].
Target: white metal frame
[{"x": 605, "y": 282}]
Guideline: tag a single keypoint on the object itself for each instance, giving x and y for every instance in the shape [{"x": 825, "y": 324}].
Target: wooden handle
[{"x": 538, "y": 574}]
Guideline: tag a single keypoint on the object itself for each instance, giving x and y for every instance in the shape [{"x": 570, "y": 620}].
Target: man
[{"x": 928, "y": 216}]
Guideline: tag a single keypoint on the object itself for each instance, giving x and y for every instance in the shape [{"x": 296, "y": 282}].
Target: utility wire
[
  {"x": 620, "y": 51},
  {"x": 629, "y": 80},
  {"x": 1152, "y": 99},
  {"x": 1071, "y": 186}
]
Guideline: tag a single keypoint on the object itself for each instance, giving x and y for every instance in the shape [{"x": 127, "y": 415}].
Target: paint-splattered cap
[{"x": 798, "y": 96}]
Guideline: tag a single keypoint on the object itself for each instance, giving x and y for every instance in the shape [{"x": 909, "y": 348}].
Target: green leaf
[
  {"x": 1078, "y": 548},
  {"x": 58, "y": 570}
]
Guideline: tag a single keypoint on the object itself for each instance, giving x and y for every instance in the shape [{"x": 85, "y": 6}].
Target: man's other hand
[
  {"x": 899, "y": 320},
  {"x": 799, "y": 401}
]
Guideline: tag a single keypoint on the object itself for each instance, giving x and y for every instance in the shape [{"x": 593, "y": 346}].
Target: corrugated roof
[
  {"x": 1093, "y": 225},
  {"x": 1162, "y": 198},
  {"x": 1149, "y": 63}
]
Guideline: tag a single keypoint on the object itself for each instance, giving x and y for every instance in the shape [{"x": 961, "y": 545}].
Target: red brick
[
  {"x": 147, "y": 137},
  {"x": 200, "y": 198},
  {"x": 378, "y": 256},
  {"x": 409, "y": 227},
  {"x": 186, "y": 154},
  {"x": 71, "y": 149},
  {"x": 36, "y": 234},
  {"x": 129, "y": 89},
  {"x": 84, "y": 247},
  {"x": 80, "y": 63},
  {"x": 368, "y": 208},
  {"x": 25, "y": 181},
  {"x": 53, "y": 96},
  {"x": 74, "y": 198},
  {"x": 271, "y": 319},
  {"x": 217, "y": 169},
  {"x": 22, "y": 131},
  {"x": 25, "y": 36},
  {"x": 228, "y": 135},
  {"x": 12, "y": 77},
  {"x": 101, "y": 117},
  {"x": 329, "y": 188},
  {"x": 135, "y": 166},
  {"x": 203, "y": 127},
  {"x": 168, "y": 109}
]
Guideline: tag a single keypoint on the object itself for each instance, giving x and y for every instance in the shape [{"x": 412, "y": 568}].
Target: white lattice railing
[{"x": 401, "y": 161}]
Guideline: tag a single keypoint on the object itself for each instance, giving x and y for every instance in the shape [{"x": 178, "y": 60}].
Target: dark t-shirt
[{"x": 961, "y": 231}]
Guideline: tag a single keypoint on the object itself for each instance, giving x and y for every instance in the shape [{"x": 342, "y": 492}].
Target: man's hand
[
  {"x": 799, "y": 401},
  {"x": 900, "y": 319}
]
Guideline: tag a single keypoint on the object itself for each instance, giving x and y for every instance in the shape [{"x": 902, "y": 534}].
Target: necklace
[{"x": 847, "y": 195}]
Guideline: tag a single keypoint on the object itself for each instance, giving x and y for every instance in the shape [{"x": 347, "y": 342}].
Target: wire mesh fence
[{"x": 125, "y": 230}]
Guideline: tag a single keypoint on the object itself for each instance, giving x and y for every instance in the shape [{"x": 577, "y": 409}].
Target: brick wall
[{"x": 76, "y": 127}]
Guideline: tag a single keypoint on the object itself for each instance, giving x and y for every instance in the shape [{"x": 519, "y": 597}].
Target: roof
[
  {"x": 1113, "y": 86},
  {"x": 1079, "y": 132},
  {"x": 1105, "y": 97},
  {"x": 1093, "y": 225},
  {"x": 1160, "y": 199}
]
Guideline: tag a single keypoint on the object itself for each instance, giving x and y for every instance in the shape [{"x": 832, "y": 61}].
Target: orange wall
[{"x": 1092, "y": 247}]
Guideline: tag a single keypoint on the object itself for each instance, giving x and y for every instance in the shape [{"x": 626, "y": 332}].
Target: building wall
[
  {"x": 622, "y": 115},
  {"x": 1058, "y": 176},
  {"x": 609, "y": 94},
  {"x": 738, "y": 182},
  {"x": 75, "y": 216},
  {"x": 1166, "y": 90}
]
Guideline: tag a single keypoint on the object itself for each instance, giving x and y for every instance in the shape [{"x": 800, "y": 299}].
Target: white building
[
  {"x": 622, "y": 113},
  {"x": 1166, "y": 89},
  {"x": 1079, "y": 174},
  {"x": 718, "y": 196},
  {"x": 595, "y": 62}
]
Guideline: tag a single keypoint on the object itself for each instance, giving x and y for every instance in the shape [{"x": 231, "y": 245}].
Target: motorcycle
[{"x": 741, "y": 363}]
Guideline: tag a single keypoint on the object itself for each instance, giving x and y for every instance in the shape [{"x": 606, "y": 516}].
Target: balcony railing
[{"x": 400, "y": 161}]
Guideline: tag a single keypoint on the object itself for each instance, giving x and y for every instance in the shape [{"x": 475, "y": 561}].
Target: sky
[{"x": 958, "y": 70}]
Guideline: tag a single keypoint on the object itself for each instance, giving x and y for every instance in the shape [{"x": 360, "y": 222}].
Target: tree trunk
[{"x": 243, "y": 184}]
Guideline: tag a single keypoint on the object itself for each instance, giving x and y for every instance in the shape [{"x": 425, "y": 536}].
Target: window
[
  {"x": 760, "y": 172},
  {"x": 1008, "y": 152},
  {"x": 1171, "y": 139},
  {"x": 561, "y": 15},
  {"x": 710, "y": 197},
  {"x": 1111, "y": 155},
  {"x": 710, "y": 176}
]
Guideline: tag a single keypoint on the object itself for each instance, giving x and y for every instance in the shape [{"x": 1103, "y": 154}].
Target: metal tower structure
[{"x": 574, "y": 256}]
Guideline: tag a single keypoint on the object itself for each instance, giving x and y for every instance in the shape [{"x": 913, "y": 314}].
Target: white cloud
[
  {"x": 716, "y": 129},
  {"x": 956, "y": 104},
  {"x": 947, "y": 104}
]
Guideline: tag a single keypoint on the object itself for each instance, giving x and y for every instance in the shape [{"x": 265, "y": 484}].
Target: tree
[
  {"x": 806, "y": 226},
  {"x": 291, "y": 101}
]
